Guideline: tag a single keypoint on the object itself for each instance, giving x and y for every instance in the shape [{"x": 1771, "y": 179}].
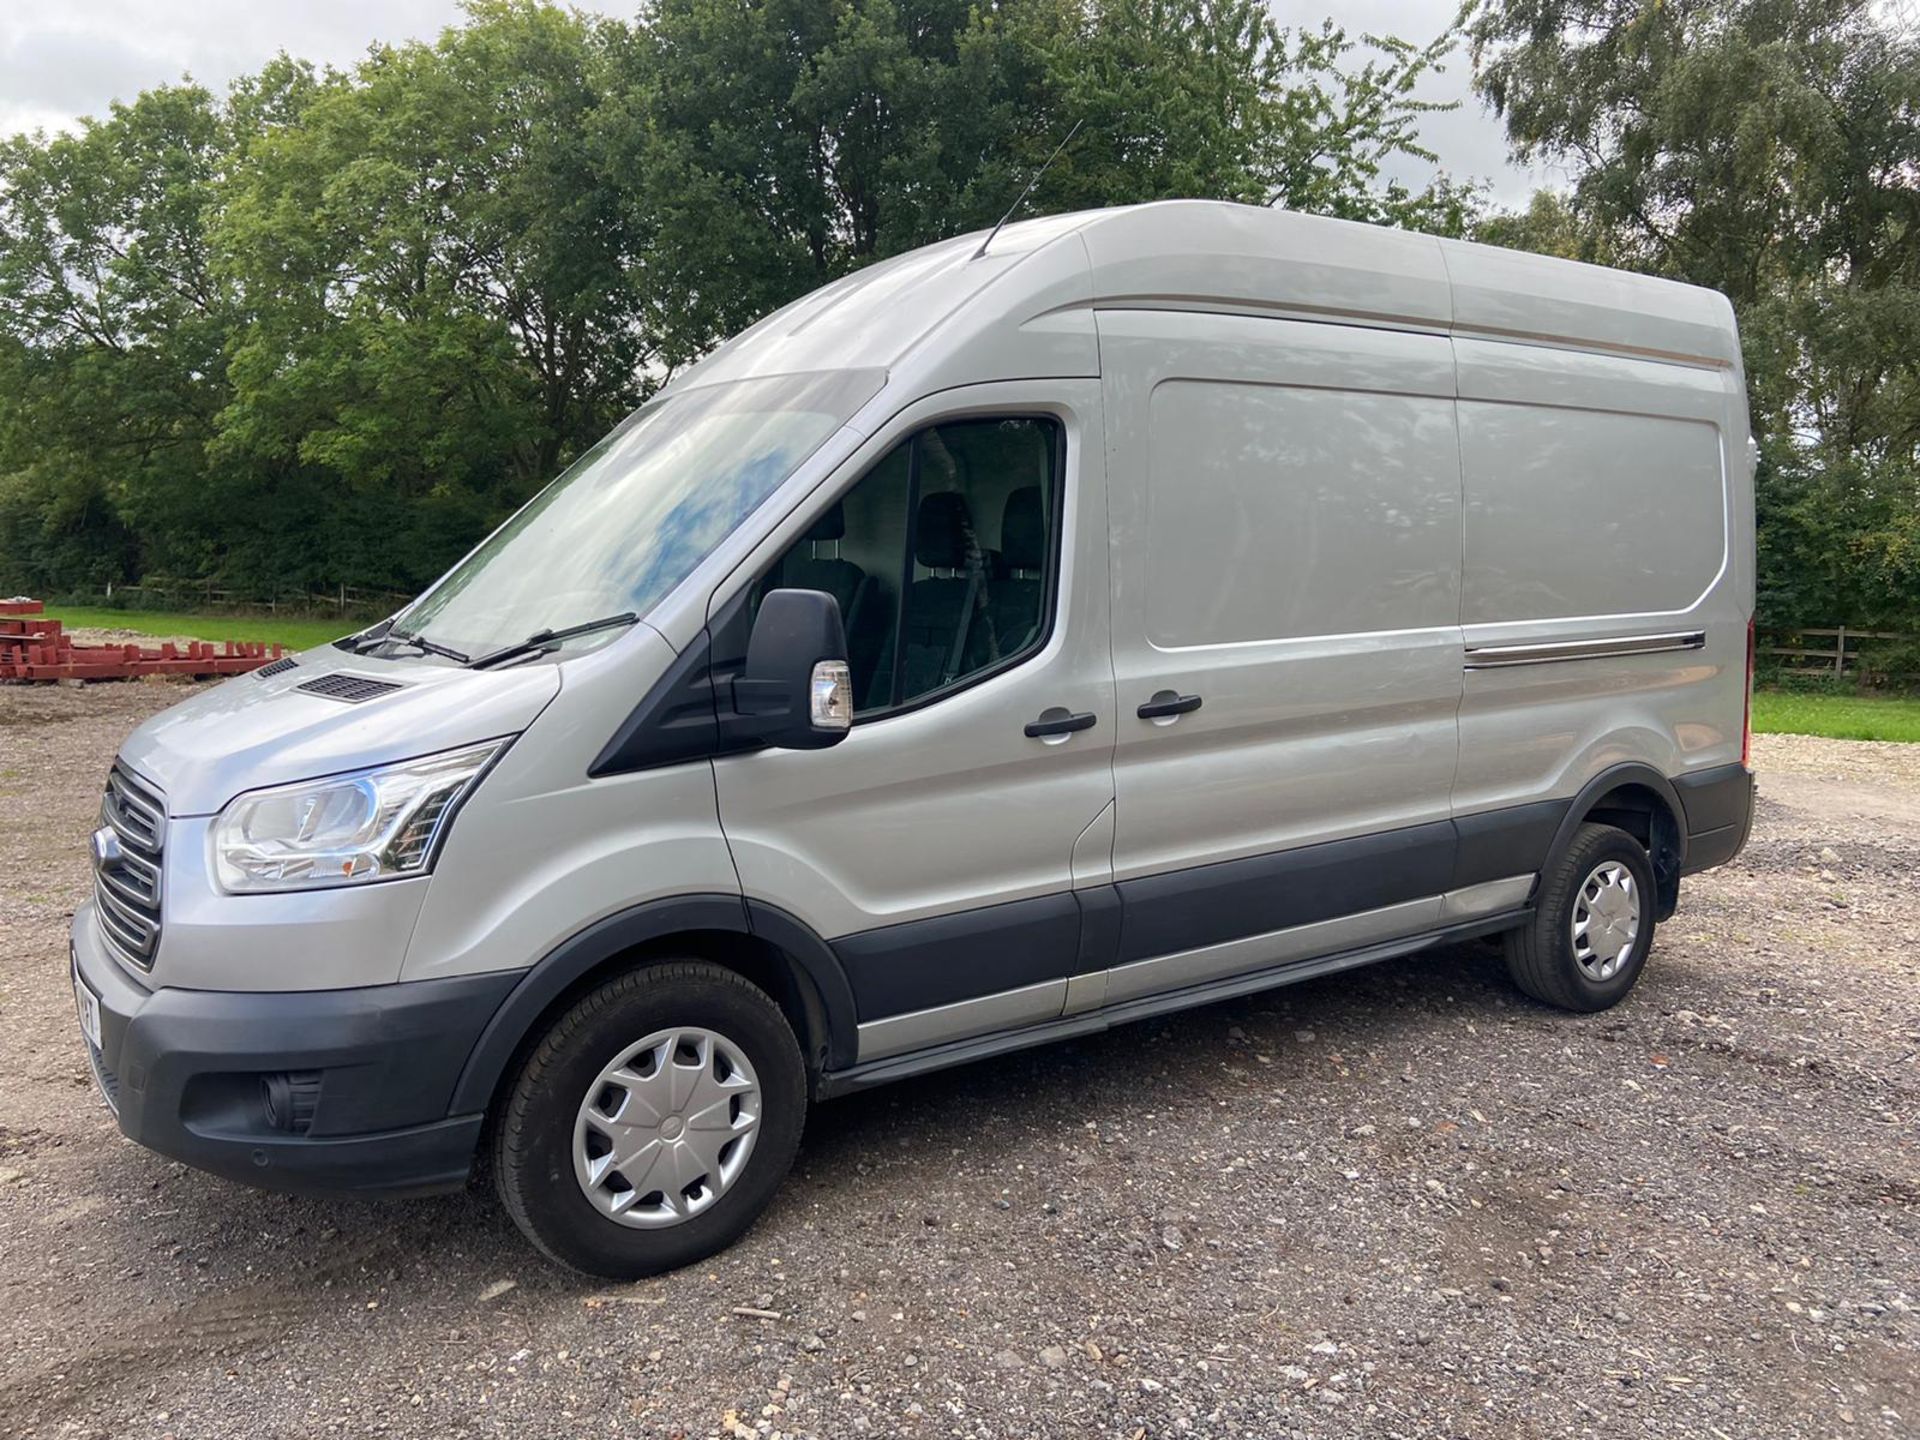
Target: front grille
[
  {"x": 127, "y": 890},
  {"x": 350, "y": 688}
]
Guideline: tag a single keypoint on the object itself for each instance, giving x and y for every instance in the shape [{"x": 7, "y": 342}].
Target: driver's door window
[{"x": 959, "y": 520}]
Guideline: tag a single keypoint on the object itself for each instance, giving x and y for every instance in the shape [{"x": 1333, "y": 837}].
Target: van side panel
[
  {"x": 1558, "y": 504},
  {"x": 1285, "y": 503},
  {"x": 1283, "y": 512},
  {"x": 1517, "y": 295},
  {"x": 1254, "y": 260},
  {"x": 1607, "y": 581}
]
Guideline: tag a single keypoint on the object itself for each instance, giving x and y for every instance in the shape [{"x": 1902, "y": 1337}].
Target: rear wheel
[
  {"x": 653, "y": 1121},
  {"x": 1592, "y": 924}
]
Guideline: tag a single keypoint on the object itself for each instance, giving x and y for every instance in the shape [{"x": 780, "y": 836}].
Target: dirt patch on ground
[{"x": 1402, "y": 1201}]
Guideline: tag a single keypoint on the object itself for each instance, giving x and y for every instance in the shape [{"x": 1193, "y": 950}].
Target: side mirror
[{"x": 796, "y": 691}]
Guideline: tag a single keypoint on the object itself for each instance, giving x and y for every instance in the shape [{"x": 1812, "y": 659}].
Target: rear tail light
[{"x": 1746, "y": 721}]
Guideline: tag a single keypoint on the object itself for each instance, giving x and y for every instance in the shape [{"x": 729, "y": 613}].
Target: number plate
[{"x": 89, "y": 1006}]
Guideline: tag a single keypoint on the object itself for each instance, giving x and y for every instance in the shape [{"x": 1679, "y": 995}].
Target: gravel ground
[{"x": 1398, "y": 1202}]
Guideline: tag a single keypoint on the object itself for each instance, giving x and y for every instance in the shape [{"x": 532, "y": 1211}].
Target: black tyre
[
  {"x": 653, "y": 1121},
  {"x": 1592, "y": 924}
]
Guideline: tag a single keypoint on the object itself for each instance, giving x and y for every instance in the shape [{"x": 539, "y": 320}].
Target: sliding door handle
[
  {"x": 1058, "y": 721},
  {"x": 1166, "y": 704}
]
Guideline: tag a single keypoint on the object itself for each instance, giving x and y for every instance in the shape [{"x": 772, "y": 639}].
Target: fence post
[{"x": 1840, "y": 654}]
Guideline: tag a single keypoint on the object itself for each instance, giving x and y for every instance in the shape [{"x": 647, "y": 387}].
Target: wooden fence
[
  {"x": 208, "y": 596},
  {"x": 1818, "y": 651}
]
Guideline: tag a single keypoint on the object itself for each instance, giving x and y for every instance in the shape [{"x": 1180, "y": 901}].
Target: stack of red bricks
[{"x": 35, "y": 648}]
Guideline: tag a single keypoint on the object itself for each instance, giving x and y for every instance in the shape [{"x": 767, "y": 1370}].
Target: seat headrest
[
  {"x": 832, "y": 524},
  {"x": 1023, "y": 530},
  {"x": 942, "y": 530}
]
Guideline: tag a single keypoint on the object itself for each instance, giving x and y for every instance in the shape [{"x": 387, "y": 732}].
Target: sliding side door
[{"x": 1285, "y": 509}]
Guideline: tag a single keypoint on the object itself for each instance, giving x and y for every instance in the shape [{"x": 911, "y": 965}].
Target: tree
[
  {"x": 1343, "y": 124},
  {"x": 1177, "y": 98},
  {"x": 440, "y": 302},
  {"x": 778, "y": 145},
  {"x": 331, "y": 327},
  {"x": 1548, "y": 226},
  {"x": 114, "y": 327}
]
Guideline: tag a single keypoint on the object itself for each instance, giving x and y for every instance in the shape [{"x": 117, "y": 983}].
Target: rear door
[
  {"x": 934, "y": 847},
  {"x": 1285, "y": 507}
]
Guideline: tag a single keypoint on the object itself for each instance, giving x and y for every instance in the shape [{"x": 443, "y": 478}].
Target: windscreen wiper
[
  {"x": 362, "y": 641},
  {"x": 545, "y": 639},
  {"x": 424, "y": 645}
]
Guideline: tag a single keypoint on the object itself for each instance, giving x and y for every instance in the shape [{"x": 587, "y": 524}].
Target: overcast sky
[{"x": 61, "y": 59}]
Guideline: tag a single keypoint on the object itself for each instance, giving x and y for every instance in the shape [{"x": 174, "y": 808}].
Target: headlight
[{"x": 378, "y": 824}]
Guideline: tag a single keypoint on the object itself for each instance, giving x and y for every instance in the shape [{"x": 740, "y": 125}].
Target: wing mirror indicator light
[{"x": 831, "y": 694}]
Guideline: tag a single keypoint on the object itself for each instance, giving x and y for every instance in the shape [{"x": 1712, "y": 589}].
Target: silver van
[{"x": 1147, "y": 607}]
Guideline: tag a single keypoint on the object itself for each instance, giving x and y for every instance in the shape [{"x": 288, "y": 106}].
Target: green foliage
[
  {"x": 1343, "y": 123},
  {"x": 1135, "y": 72},
  {"x": 331, "y": 327},
  {"x": 1550, "y": 225},
  {"x": 775, "y": 146},
  {"x": 437, "y": 288},
  {"x": 1767, "y": 148},
  {"x": 783, "y": 144},
  {"x": 112, "y": 329}
]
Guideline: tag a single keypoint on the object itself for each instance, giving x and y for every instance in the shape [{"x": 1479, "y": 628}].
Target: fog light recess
[{"x": 289, "y": 1099}]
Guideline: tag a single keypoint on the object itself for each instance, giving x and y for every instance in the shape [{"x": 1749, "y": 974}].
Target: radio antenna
[{"x": 1011, "y": 209}]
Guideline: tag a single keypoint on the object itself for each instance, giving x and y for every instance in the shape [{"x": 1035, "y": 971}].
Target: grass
[
  {"x": 292, "y": 633},
  {"x": 1838, "y": 717}
]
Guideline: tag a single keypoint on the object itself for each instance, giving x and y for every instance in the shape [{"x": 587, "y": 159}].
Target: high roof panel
[
  {"x": 1512, "y": 294},
  {"x": 1202, "y": 254},
  {"x": 1208, "y": 255},
  {"x": 876, "y": 315}
]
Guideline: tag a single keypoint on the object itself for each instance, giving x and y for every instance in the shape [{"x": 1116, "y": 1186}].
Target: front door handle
[
  {"x": 1165, "y": 704},
  {"x": 1057, "y": 720}
]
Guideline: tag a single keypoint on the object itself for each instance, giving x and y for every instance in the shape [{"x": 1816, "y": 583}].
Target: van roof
[{"x": 1215, "y": 256}]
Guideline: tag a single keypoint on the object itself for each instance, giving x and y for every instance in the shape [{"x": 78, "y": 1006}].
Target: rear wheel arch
[{"x": 1640, "y": 800}]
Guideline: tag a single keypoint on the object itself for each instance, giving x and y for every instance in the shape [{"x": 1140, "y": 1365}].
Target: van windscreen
[{"x": 634, "y": 515}]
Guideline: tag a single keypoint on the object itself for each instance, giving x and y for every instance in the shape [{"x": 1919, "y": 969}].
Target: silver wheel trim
[
  {"x": 1606, "y": 920},
  {"x": 666, "y": 1128}
]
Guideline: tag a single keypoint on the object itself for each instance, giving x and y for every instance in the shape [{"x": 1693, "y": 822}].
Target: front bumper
[{"x": 183, "y": 1071}]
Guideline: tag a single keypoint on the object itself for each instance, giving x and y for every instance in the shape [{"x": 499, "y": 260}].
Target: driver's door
[{"x": 935, "y": 848}]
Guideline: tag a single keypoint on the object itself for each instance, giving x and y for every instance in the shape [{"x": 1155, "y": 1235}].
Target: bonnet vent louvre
[
  {"x": 352, "y": 689},
  {"x": 277, "y": 667}
]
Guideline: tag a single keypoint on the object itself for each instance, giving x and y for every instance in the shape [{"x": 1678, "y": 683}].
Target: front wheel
[
  {"x": 652, "y": 1122},
  {"x": 1592, "y": 924}
]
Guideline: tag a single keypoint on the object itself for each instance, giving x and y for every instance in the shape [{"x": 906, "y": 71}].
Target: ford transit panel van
[{"x": 1000, "y": 644}]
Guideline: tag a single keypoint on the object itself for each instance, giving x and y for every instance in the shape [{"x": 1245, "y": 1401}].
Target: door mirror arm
[{"x": 795, "y": 691}]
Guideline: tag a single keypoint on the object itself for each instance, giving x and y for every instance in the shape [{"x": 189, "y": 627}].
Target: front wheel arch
[{"x": 764, "y": 945}]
